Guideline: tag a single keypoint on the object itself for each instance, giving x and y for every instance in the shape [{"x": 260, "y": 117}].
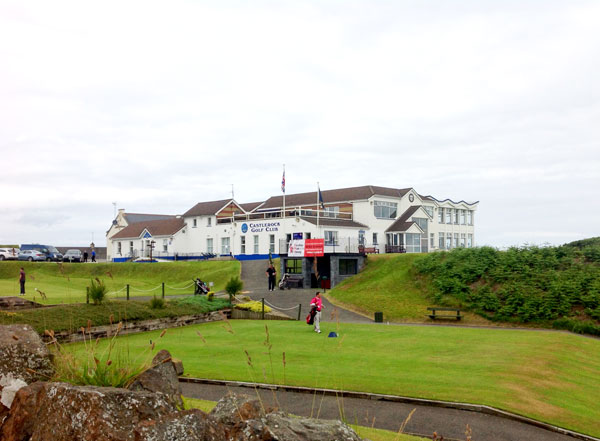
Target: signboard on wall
[
  {"x": 306, "y": 248},
  {"x": 314, "y": 247},
  {"x": 297, "y": 236}
]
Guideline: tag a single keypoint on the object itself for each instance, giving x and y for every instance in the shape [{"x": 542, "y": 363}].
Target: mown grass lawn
[
  {"x": 389, "y": 284},
  {"x": 67, "y": 282},
  {"x": 549, "y": 376}
]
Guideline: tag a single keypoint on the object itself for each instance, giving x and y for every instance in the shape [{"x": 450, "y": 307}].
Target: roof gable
[
  {"x": 403, "y": 223},
  {"x": 163, "y": 227},
  {"x": 209, "y": 208}
]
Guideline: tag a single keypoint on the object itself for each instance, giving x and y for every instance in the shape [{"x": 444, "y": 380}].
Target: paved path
[
  {"x": 256, "y": 284},
  {"x": 451, "y": 423}
]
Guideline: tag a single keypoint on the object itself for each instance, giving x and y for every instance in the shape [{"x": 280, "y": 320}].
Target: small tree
[
  {"x": 97, "y": 291},
  {"x": 234, "y": 287}
]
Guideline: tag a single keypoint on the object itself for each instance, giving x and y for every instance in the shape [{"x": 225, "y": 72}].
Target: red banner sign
[{"x": 314, "y": 247}]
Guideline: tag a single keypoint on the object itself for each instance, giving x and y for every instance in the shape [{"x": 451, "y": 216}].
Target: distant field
[
  {"x": 66, "y": 282},
  {"x": 549, "y": 376}
]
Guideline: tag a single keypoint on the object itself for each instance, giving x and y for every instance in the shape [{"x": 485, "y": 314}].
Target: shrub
[
  {"x": 234, "y": 286},
  {"x": 97, "y": 291},
  {"x": 157, "y": 303},
  {"x": 254, "y": 306},
  {"x": 521, "y": 284}
]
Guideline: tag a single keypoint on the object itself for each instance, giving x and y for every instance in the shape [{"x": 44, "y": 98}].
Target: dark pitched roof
[
  {"x": 330, "y": 222},
  {"x": 207, "y": 208},
  {"x": 331, "y": 196},
  {"x": 402, "y": 223},
  {"x": 162, "y": 227},
  {"x": 250, "y": 206},
  {"x": 132, "y": 218}
]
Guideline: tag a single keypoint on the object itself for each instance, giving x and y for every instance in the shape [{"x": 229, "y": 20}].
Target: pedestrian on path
[
  {"x": 22, "y": 281},
  {"x": 85, "y": 256},
  {"x": 271, "y": 274},
  {"x": 318, "y": 305},
  {"x": 93, "y": 255}
]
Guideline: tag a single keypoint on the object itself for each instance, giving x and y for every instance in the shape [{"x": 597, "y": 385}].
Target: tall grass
[{"x": 108, "y": 365}]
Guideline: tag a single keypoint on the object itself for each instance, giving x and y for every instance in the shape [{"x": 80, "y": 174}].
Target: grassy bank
[
  {"x": 549, "y": 376},
  {"x": 72, "y": 317},
  {"x": 66, "y": 283},
  {"x": 545, "y": 286},
  {"x": 389, "y": 284}
]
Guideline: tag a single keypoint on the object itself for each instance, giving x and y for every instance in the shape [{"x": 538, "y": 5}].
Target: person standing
[
  {"x": 22, "y": 281},
  {"x": 271, "y": 274},
  {"x": 85, "y": 256},
  {"x": 317, "y": 303},
  {"x": 93, "y": 255}
]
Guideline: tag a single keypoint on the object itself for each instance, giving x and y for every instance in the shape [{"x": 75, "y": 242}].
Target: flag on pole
[
  {"x": 283, "y": 182},
  {"x": 321, "y": 199}
]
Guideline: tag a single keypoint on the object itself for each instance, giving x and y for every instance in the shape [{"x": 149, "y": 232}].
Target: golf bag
[
  {"x": 310, "y": 318},
  {"x": 200, "y": 287}
]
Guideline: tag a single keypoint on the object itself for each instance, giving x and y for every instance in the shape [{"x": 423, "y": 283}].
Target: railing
[
  {"x": 395, "y": 249},
  {"x": 341, "y": 245},
  {"x": 278, "y": 214}
]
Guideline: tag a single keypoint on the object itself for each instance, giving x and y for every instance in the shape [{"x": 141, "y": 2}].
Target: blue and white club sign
[{"x": 259, "y": 227}]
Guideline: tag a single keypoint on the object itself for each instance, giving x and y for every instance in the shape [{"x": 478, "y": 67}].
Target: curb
[{"x": 399, "y": 399}]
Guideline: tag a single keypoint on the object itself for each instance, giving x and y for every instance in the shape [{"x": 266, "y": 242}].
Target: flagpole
[
  {"x": 283, "y": 189},
  {"x": 318, "y": 189}
]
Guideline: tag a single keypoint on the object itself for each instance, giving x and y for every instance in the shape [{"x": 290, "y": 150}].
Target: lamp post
[{"x": 151, "y": 248}]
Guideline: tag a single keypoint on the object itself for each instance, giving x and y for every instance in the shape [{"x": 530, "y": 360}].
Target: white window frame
[
  {"x": 448, "y": 215},
  {"x": 256, "y": 243},
  {"x": 194, "y": 223},
  {"x": 165, "y": 245},
  {"x": 225, "y": 246},
  {"x": 441, "y": 242},
  {"x": 271, "y": 243},
  {"x": 209, "y": 245},
  {"x": 242, "y": 244},
  {"x": 331, "y": 237},
  {"x": 209, "y": 221},
  {"x": 332, "y": 211},
  {"x": 390, "y": 207}
]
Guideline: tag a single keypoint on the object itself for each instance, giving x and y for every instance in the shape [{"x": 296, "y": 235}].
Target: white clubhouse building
[{"x": 352, "y": 221}]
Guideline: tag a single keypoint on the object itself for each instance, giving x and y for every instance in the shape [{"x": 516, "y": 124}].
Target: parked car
[
  {"x": 32, "y": 255},
  {"x": 9, "y": 253},
  {"x": 72, "y": 256},
  {"x": 51, "y": 252}
]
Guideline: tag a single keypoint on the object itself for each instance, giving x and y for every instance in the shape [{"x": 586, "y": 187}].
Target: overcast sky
[{"x": 159, "y": 105}]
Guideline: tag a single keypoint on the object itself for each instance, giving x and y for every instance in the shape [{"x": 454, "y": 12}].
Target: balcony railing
[
  {"x": 278, "y": 214},
  {"x": 395, "y": 249},
  {"x": 342, "y": 245}
]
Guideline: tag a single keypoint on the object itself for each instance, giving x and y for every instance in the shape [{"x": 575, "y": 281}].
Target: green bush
[
  {"x": 234, "y": 286},
  {"x": 521, "y": 284},
  {"x": 254, "y": 306},
  {"x": 97, "y": 291},
  {"x": 157, "y": 303}
]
